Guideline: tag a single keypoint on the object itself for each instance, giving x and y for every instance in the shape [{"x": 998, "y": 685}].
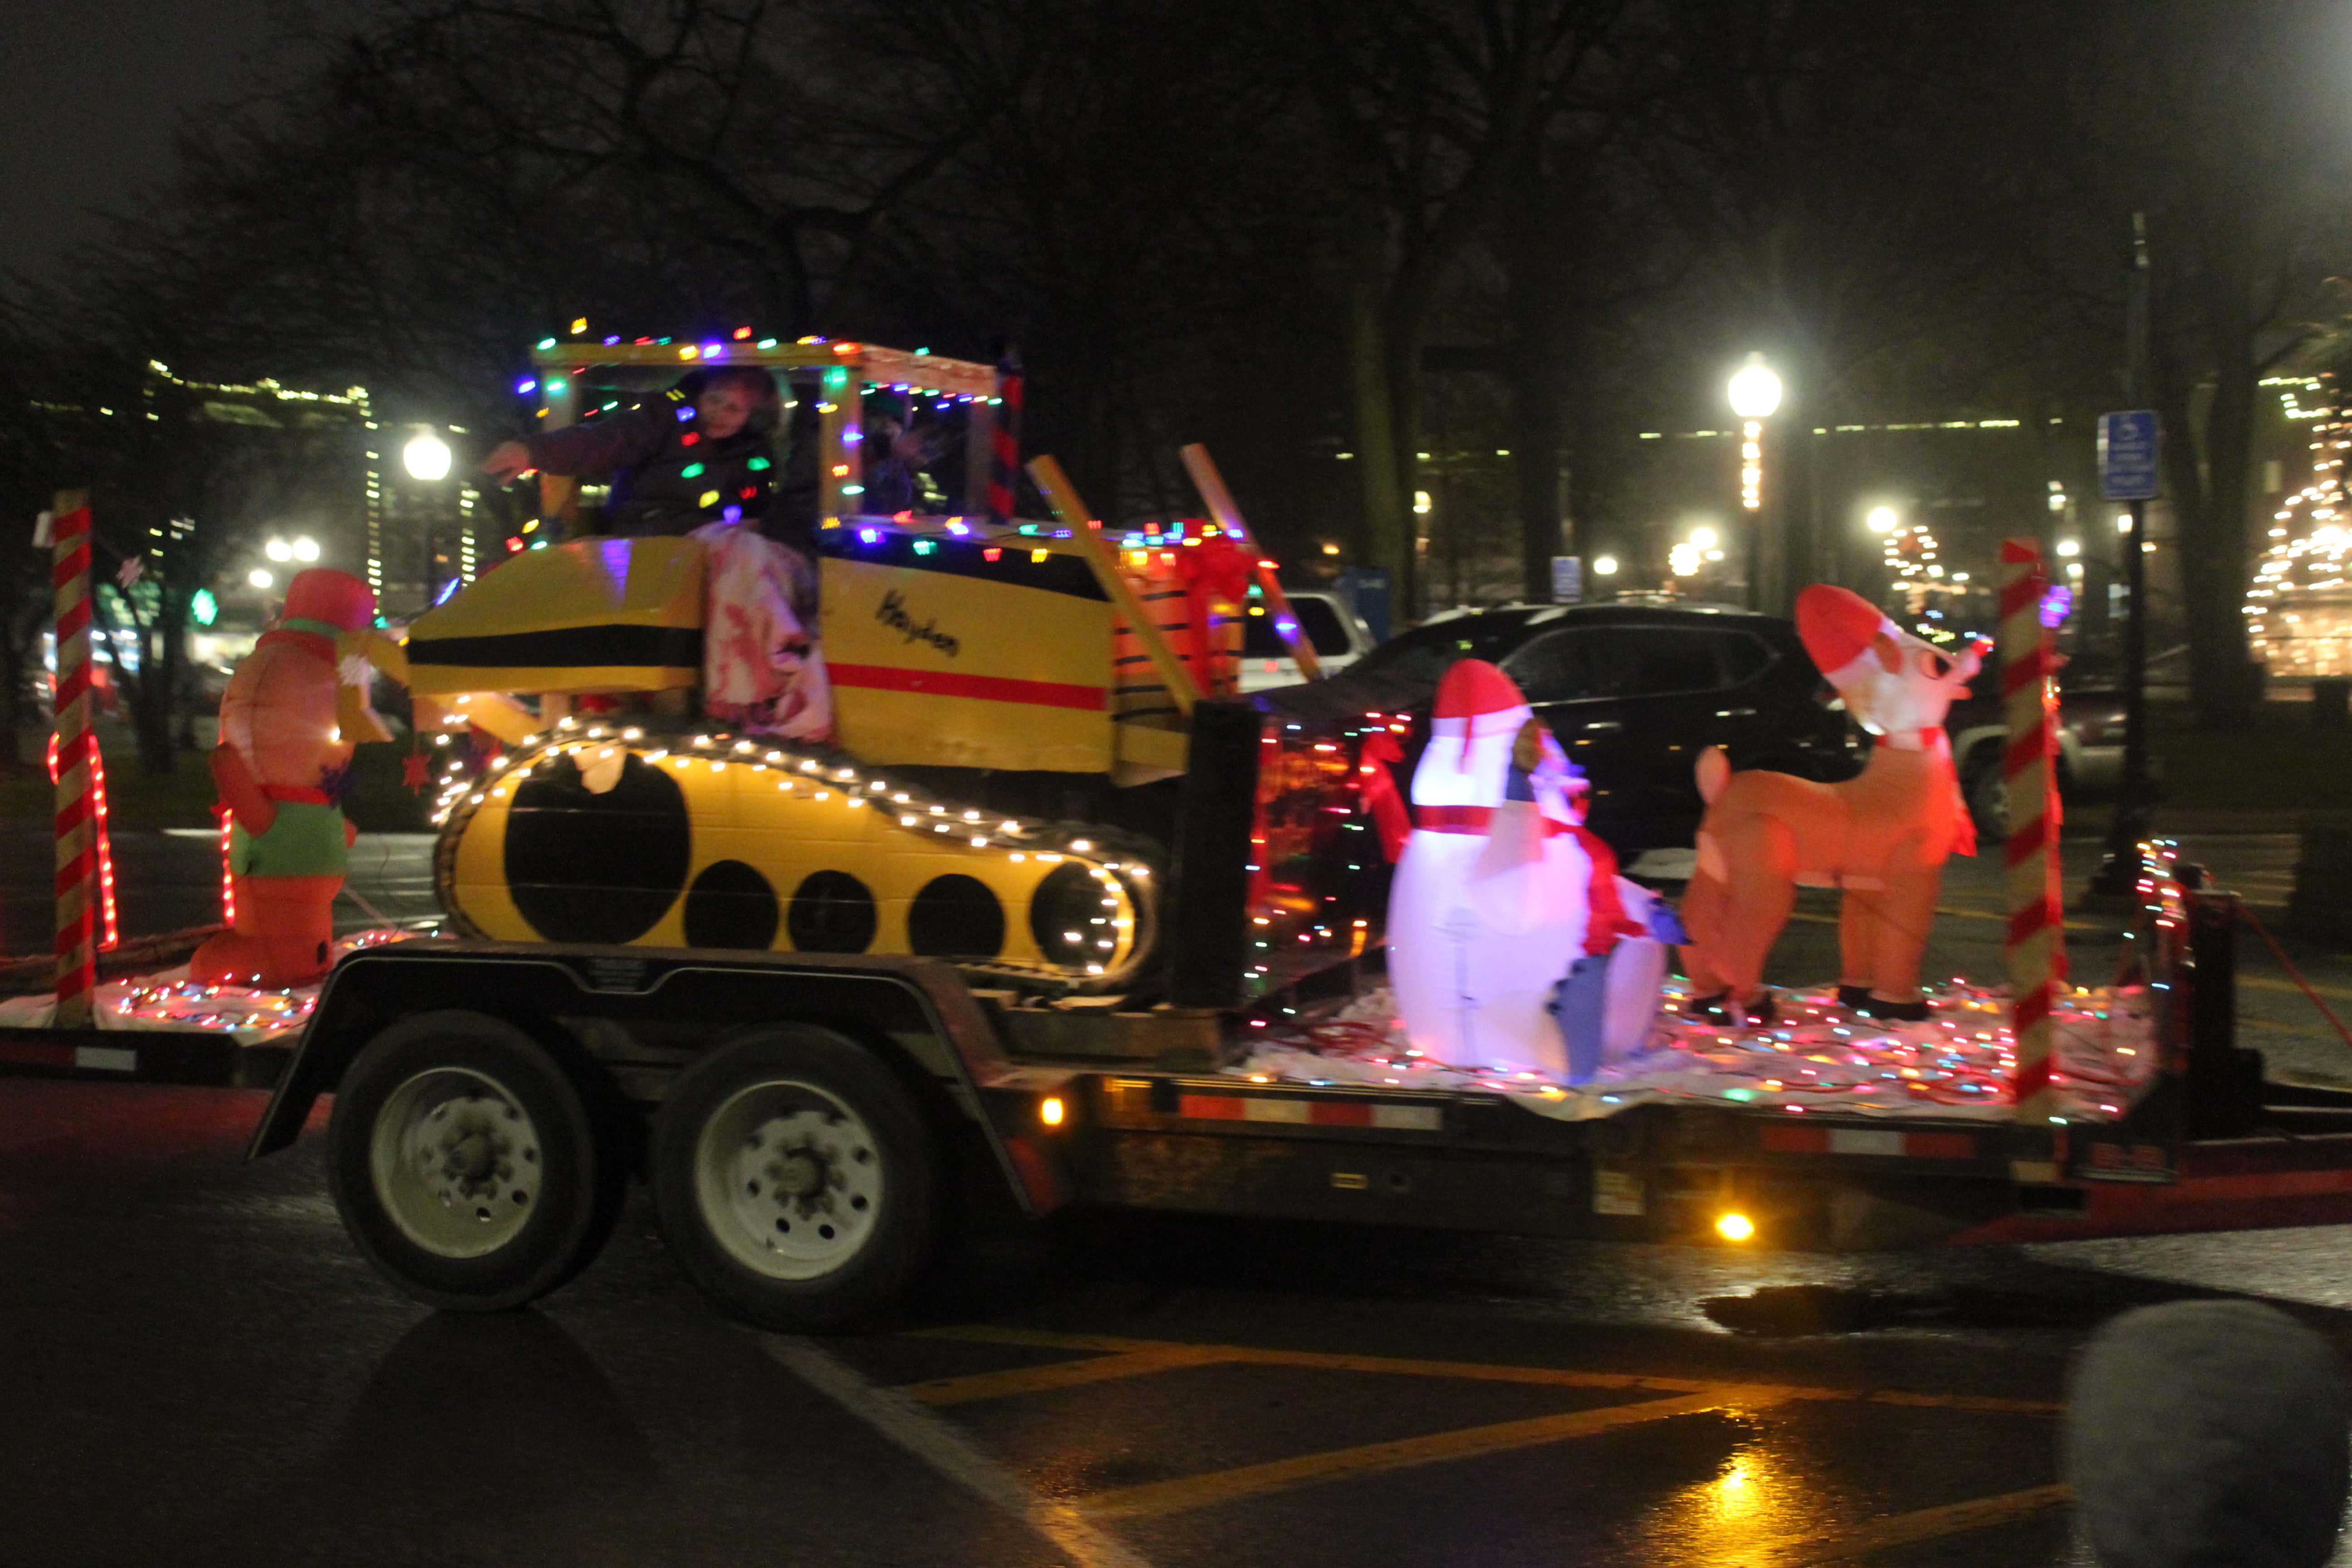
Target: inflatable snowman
[
  {"x": 1513, "y": 946},
  {"x": 1489, "y": 909}
]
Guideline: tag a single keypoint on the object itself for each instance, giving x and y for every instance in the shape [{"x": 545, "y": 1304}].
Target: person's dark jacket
[{"x": 668, "y": 475}]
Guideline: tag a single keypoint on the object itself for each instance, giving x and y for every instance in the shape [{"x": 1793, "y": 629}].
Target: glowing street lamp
[
  {"x": 426, "y": 457},
  {"x": 1754, "y": 390},
  {"x": 1755, "y": 393},
  {"x": 1882, "y": 519},
  {"x": 1604, "y": 566}
]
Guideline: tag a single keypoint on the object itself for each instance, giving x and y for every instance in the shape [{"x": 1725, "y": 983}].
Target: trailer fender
[{"x": 915, "y": 1014}]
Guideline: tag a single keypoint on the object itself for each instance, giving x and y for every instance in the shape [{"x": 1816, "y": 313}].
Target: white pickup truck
[{"x": 1336, "y": 632}]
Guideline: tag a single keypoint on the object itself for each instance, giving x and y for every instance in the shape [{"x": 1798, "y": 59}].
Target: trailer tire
[
  {"x": 795, "y": 1178},
  {"x": 469, "y": 1167}
]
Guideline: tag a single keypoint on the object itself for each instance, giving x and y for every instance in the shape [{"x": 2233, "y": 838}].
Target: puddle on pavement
[{"x": 1789, "y": 1311}]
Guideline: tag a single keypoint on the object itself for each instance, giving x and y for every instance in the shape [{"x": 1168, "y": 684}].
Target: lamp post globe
[
  {"x": 426, "y": 457},
  {"x": 1754, "y": 390},
  {"x": 1882, "y": 520}
]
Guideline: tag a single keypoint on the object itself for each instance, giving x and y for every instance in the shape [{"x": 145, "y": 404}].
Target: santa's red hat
[
  {"x": 1475, "y": 700},
  {"x": 1837, "y": 627},
  {"x": 1473, "y": 687}
]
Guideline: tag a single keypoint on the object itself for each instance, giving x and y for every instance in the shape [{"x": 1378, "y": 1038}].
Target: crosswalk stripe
[
  {"x": 1021, "y": 1380},
  {"x": 1187, "y": 1492},
  {"x": 1895, "y": 1529},
  {"x": 938, "y": 1443},
  {"x": 1114, "y": 1345}
]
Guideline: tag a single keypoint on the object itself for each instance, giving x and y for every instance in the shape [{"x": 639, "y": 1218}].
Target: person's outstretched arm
[{"x": 600, "y": 446}]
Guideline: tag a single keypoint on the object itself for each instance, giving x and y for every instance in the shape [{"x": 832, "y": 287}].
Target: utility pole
[{"x": 2119, "y": 874}]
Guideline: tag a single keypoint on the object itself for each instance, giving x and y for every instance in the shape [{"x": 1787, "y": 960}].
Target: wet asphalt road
[{"x": 195, "y": 1367}]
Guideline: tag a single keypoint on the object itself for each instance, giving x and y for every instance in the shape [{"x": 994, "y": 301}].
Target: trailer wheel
[
  {"x": 795, "y": 1178},
  {"x": 466, "y": 1164}
]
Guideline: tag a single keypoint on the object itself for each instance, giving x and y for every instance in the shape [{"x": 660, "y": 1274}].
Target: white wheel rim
[
  {"x": 788, "y": 1179},
  {"x": 456, "y": 1161}
]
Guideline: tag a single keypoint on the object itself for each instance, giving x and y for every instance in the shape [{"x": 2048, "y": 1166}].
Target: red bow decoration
[
  {"x": 1382, "y": 797},
  {"x": 1214, "y": 572}
]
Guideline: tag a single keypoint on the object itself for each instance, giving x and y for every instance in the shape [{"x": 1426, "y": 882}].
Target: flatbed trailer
[
  {"x": 888, "y": 1096},
  {"x": 1195, "y": 880}
]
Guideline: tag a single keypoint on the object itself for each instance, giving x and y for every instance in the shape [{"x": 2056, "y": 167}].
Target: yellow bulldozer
[{"x": 1019, "y": 723}]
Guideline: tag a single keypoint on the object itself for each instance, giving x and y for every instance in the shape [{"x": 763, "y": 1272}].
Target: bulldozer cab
[
  {"x": 965, "y": 639},
  {"x": 577, "y": 380}
]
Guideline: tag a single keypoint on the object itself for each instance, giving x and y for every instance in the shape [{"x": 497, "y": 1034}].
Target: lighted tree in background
[{"x": 2299, "y": 608}]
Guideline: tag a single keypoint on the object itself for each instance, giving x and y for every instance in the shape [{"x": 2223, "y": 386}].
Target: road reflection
[
  {"x": 499, "y": 1440},
  {"x": 1756, "y": 1499}
]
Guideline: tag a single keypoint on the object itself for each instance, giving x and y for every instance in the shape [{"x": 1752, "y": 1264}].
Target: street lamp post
[
  {"x": 2116, "y": 882},
  {"x": 426, "y": 458},
  {"x": 1755, "y": 393}
]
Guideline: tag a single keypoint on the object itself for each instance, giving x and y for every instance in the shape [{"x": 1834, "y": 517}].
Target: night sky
[{"x": 94, "y": 91}]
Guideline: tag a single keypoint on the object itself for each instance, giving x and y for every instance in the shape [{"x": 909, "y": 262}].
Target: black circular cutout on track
[
  {"x": 831, "y": 912},
  {"x": 583, "y": 866},
  {"x": 732, "y": 905},
  {"x": 1061, "y": 912},
  {"x": 956, "y": 916}
]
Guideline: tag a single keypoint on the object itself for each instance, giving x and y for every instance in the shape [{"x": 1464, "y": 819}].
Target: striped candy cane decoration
[
  {"x": 1005, "y": 471},
  {"x": 2036, "y": 950},
  {"x": 76, "y": 806},
  {"x": 110, "y": 928}
]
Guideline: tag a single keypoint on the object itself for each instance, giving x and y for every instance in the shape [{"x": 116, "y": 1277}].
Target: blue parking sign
[{"x": 2128, "y": 443}]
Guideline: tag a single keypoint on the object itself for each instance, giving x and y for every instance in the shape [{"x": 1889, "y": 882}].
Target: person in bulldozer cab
[
  {"x": 698, "y": 459},
  {"x": 699, "y": 453}
]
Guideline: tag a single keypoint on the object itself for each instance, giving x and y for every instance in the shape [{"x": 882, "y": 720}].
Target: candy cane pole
[
  {"x": 1004, "y": 470},
  {"x": 75, "y": 807},
  {"x": 110, "y": 928},
  {"x": 2035, "y": 951},
  {"x": 1219, "y": 501}
]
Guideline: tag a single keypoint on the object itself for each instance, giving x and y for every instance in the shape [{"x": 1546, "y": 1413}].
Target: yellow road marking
[
  {"x": 1250, "y": 1480},
  {"x": 1895, "y": 1529},
  {"x": 1058, "y": 1375},
  {"x": 2265, "y": 983},
  {"x": 1116, "y": 1346}
]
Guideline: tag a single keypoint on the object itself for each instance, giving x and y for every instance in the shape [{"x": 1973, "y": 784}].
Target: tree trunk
[
  {"x": 1384, "y": 457},
  {"x": 2210, "y": 500},
  {"x": 151, "y": 699},
  {"x": 1531, "y": 365},
  {"x": 1401, "y": 338}
]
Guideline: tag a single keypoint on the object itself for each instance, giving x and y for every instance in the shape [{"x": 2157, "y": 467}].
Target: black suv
[{"x": 1635, "y": 693}]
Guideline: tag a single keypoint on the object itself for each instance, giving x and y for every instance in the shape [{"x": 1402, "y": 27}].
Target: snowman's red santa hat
[
  {"x": 1479, "y": 712},
  {"x": 1838, "y": 627},
  {"x": 1477, "y": 700}
]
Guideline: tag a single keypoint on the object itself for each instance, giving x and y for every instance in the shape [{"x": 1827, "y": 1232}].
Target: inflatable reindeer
[{"x": 1882, "y": 838}]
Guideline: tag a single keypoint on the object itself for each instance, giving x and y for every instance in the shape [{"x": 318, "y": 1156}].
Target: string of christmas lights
[
  {"x": 1960, "y": 1061},
  {"x": 1127, "y": 884},
  {"x": 2299, "y": 606}
]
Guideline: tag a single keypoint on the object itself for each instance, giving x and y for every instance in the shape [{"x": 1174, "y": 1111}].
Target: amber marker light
[
  {"x": 1050, "y": 1110},
  {"x": 1735, "y": 1226}
]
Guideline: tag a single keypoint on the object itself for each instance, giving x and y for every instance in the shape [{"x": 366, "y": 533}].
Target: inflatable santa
[{"x": 1501, "y": 892}]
